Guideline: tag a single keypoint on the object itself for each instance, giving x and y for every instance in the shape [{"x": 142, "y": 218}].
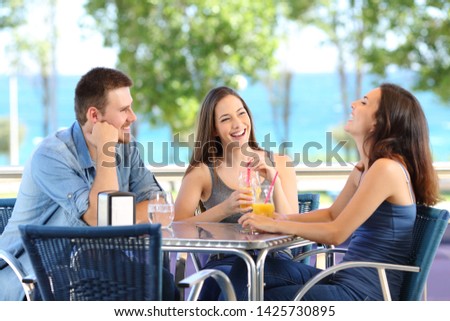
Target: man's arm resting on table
[{"x": 105, "y": 180}]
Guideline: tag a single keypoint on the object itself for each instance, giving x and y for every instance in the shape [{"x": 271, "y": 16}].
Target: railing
[
  {"x": 328, "y": 179},
  {"x": 323, "y": 178}
]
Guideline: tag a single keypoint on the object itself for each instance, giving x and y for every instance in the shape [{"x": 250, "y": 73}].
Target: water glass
[{"x": 161, "y": 208}]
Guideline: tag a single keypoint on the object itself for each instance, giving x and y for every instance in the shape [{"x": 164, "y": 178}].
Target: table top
[{"x": 211, "y": 234}]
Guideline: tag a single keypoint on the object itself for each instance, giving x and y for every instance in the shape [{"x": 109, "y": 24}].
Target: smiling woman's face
[{"x": 232, "y": 121}]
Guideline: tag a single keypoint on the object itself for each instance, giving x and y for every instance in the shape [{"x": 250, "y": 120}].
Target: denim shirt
[{"x": 55, "y": 190}]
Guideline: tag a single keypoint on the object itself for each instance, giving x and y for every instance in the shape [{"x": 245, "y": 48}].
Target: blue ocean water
[{"x": 316, "y": 110}]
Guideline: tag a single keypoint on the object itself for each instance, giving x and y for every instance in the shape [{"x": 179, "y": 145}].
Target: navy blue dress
[{"x": 385, "y": 237}]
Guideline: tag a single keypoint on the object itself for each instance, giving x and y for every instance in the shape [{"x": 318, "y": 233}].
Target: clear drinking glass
[
  {"x": 249, "y": 180},
  {"x": 161, "y": 208},
  {"x": 263, "y": 204}
]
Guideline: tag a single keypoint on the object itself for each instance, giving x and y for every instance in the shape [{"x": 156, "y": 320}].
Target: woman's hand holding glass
[
  {"x": 255, "y": 222},
  {"x": 262, "y": 206},
  {"x": 235, "y": 201},
  {"x": 263, "y": 216}
]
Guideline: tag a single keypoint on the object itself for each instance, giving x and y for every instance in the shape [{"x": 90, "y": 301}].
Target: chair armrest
[
  {"x": 196, "y": 282},
  {"x": 181, "y": 267},
  {"x": 27, "y": 281},
  {"x": 381, "y": 268},
  {"x": 181, "y": 263},
  {"x": 323, "y": 250}
]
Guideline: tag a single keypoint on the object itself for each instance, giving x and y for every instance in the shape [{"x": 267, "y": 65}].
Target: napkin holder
[{"x": 116, "y": 208}]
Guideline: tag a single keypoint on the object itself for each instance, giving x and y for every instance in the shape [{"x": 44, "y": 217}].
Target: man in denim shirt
[{"x": 61, "y": 181}]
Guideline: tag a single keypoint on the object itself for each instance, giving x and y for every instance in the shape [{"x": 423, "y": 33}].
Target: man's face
[{"x": 118, "y": 112}]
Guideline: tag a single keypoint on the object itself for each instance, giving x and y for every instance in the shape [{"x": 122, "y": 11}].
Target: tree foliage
[
  {"x": 11, "y": 13},
  {"x": 416, "y": 36},
  {"x": 177, "y": 50},
  {"x": 373, "y": 35}
]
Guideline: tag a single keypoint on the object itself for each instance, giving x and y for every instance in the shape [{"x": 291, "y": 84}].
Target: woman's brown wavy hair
[{"x": 401, "y": 133}]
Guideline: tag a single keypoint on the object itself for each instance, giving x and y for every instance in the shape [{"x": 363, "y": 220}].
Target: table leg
[
  {"x": 252, "y": 273},
  {"x": 251, "y": 267},
  {"x": 260, "y": 273}
]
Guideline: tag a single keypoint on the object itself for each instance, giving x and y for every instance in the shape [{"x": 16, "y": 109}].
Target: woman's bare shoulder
[
  {"x": 198, "y": 172},
  {"x": 386, "y": 165}
]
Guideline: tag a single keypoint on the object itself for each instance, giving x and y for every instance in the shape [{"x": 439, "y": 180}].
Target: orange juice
[{"x": 266, "y": 209}]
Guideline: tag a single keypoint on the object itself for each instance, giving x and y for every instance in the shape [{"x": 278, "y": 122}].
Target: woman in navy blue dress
[{"x": 376, "y": 208}]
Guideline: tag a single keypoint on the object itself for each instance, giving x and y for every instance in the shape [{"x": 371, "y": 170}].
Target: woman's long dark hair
[
  {"x": 208, "y": 147},
  {"x": 401, "y": 133}
]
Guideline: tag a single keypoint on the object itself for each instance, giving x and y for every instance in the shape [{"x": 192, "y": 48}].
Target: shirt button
[{"x": 69, "y": 196}]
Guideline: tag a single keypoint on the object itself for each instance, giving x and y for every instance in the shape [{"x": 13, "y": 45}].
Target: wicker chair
[
  {"x": 98, "y": 264},
  {"x": 6, "y": 208},
  {"x": 306, "y": 202}
]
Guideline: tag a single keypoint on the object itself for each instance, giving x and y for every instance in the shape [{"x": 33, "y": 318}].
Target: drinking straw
[
  {"x": 248, "y": 174},
  {"x": 271, "y": 187}
]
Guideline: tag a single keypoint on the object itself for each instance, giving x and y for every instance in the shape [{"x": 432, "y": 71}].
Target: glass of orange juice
[
  {"x": 248, "y": 180},
  {"x": 263, "y": 204}
]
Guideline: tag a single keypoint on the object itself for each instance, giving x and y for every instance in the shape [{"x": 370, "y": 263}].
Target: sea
[{"x": 316, "y": 115}]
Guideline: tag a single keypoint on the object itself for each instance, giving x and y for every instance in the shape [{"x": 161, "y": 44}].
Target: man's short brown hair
[{"x": 93, "y": 88}]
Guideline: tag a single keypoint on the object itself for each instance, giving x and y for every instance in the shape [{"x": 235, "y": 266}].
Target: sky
[{"x": 78, "y": 50}]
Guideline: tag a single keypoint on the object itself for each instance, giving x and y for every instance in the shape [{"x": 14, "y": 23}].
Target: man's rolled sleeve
[{"x": 61, "y": 182}]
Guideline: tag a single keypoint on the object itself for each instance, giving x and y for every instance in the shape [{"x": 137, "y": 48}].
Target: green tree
[
  {"x": 11, "y": 13},
  {"x": 415, "y": 36},
  {"x": 176, "y": 50},
  {"x": 371, "y": 36}
]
